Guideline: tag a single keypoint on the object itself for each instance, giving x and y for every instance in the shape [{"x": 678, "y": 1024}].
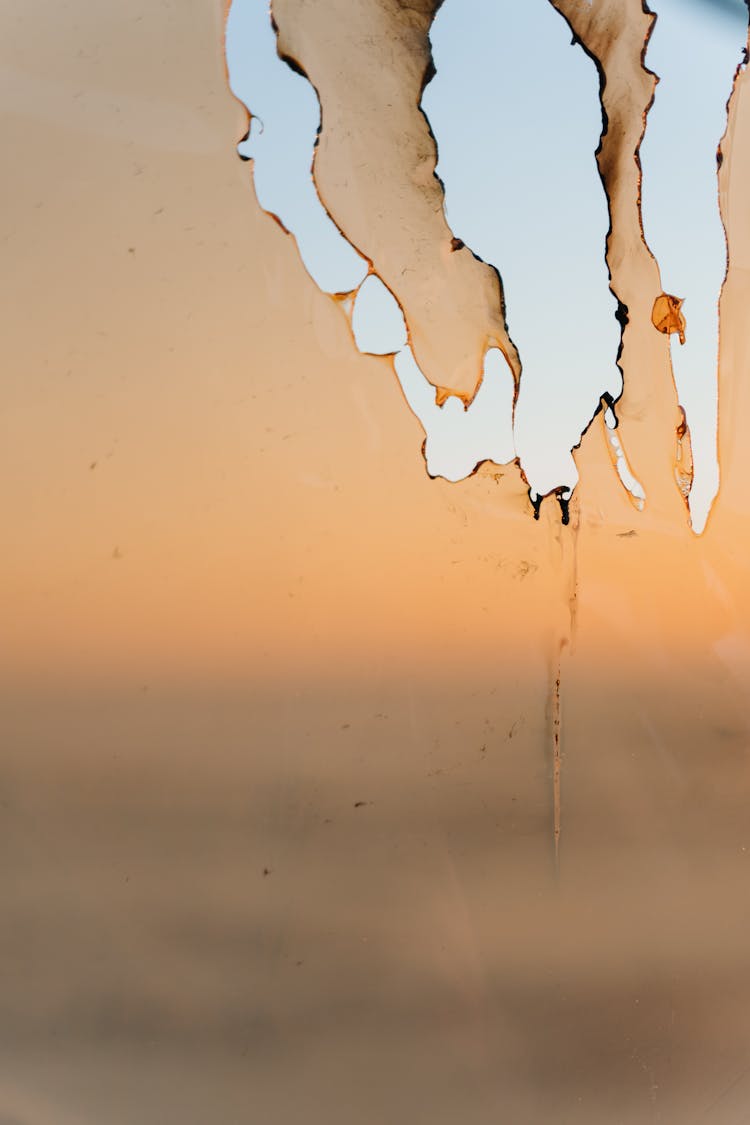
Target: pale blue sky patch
[{"x": 286, "y": 116}]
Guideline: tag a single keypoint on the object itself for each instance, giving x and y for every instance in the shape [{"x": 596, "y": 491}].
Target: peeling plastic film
[{"x": 336, "y": 786}]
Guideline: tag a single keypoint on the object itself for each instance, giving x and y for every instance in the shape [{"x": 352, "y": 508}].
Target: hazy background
[{"x": 276, "y": 789}]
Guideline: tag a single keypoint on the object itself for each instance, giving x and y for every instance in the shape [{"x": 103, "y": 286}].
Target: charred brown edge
[
  {"x": 622, "y": 313},
  {"x": 295, "y": 65}
]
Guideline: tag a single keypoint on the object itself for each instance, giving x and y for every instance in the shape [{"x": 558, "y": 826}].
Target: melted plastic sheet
[{"x": 332, "y": 792}]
